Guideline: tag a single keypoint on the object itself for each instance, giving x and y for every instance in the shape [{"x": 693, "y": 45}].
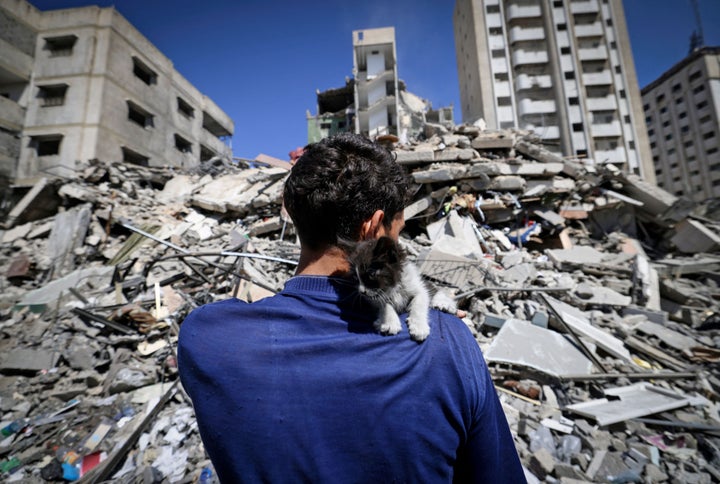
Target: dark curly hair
[{"x": 337, "y": 184}]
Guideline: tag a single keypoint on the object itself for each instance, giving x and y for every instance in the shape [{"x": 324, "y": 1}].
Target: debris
[{"x": 574, "y": 278}]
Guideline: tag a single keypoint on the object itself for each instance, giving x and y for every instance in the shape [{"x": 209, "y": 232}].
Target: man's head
[{"x": 340, "y": 183}]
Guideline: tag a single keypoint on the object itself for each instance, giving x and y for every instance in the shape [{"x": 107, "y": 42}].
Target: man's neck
[{"x": 328, "y": 262}]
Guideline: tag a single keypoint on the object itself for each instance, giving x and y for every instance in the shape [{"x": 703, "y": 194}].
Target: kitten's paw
[
  {"x": 444, "y": 302},
  {"x": 419, "y": 328},
  {"x": 388, "y": 325}
]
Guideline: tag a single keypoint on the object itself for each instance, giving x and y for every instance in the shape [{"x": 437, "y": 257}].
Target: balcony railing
[
  {"x": 606, "y": 129},
  {"x": 518, "y": 34},
  {"x": 525, "y": 81},
  {"x": 607, "y": 103},
  {"x": 587, "y": 6},
  {"x": 522, "y": 57},
  {"x": 603, "y": 78},
  {"x": 12, "y": 115},
  {"x": 522, "y": 11},
  {"x": 528, "y": 106}
]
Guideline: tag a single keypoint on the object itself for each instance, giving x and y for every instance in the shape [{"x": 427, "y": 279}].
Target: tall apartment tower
[
  {"x": 83, "y": 83},
  {"x": 562, "y": 68},
  {"x": 376, "y": 81},
  {"x": 682, "y": 109}
]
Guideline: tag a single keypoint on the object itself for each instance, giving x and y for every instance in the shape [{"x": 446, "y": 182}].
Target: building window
[
  {"x": 685, "y": 129},
  {"x": 666, "y": 124},
  {"x": 52, "y": 95},
  {"x": 651, "y": 132},
  {"x": 699, "y": 89},
  {"x": 711, "y": 151},
  {"x": 143, "y": 72},
  {"x": 668, "y": 137},
  {"x": 182, "y": 144},
  {"x": 608, "y": 22},
  {"x": 702, "y": 104},
  {"x": 570, "y": 75},
  {"x": 504, "y": 101},
  {"x": 497, "y": 53},
  {"x": 577, "y": 127},
  {"x": 574, "y": 101},
  {"x": 613, "y": 45},
  {"x": 648, "y": 119},
  {"x": 206, "y": 153},
  {"x": 660, "y": 98},
  {"x": 130, "y": 156},
  {"x": 140, "y": 116},
  {"x": 618, "y": 70},
  {"x": 47, "y": 145},
  {"x": 682, "y": 115},
  {"x": 565, "y": 50},
  {"x": 695, "y": 75},
  {"x": 679, "y": 100},
  {"x": 652, "y": 145},
  {"x": 622, "y": 93},
  {"x": 663, "y": 110},
  {"x": 631, "y": 144},
  {"x": 709, "y": 134},
  {"x": 185, "y": 109},
  {"x": 493, "y": 31},
  {"x": 562, "y": 27},
  {"x": 325, "y": 125},
  {"x": 705, "y": 119},
  {"x": 60, "y": 46},
  {"x": 627, "y": 118},
  {"x": 557, "y": 4},
  {"x": 676, "y": 87},
  {"x": 688, "y": 144},
  {"x": 646, "y": 107},
  {"x": 493, "y": 8}
]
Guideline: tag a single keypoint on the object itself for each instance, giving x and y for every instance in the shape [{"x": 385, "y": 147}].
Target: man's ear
[{"x": 370, "y": 228}]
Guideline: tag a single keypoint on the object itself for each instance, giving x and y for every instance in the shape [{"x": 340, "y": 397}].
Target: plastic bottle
[{"x": 15, "y": 426}]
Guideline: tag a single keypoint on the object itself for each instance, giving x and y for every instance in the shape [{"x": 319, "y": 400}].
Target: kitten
[{"x": 392, "y": 283}]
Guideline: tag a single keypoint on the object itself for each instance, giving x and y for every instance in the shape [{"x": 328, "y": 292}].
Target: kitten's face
[{"x": 377, "y": 264}]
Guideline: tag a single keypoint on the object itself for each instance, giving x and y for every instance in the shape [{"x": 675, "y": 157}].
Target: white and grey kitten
[{"x": 393, "y": 284}]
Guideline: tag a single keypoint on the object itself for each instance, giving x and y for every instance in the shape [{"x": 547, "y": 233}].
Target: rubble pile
[{"x": 593, "y": 295}]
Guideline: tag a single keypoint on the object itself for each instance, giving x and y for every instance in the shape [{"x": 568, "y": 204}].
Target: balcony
[
  {"x": 362, "y": 78},
  {"x": 515, "y": 11},
  {"x": 15, "y": 66},
  {"x": 545, "y": 132},
  {"x": 528, "y": 106},
  {"x": 12, "y": 115},
  {"x": 589, "y": 30},
  {"x": 520, "y": 34},
  {"x": 592, "y": 53},
  {"x": 499, "y": 64},
  {"x": 603, "y": 78},
  {"x": 523, "y": 57},
  {"x": 525, "y": 81},
  {"x": 606, "y": 130},
  {"x": 587, "y": 6},
  {"x": 502, "y": 89},
  {"x": 607, "y": 103},
  {"x": 610, "y": 156}
]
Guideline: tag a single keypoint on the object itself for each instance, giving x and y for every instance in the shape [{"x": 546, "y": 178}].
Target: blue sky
[{"x": 262, "y": 60}]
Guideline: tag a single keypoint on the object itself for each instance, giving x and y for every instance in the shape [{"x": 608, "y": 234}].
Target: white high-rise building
[
  {"x": 560, "y": 67},
  {"x": 682, "y": 109}
]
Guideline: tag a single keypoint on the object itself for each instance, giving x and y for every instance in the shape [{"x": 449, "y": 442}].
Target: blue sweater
[{"x": 299, "y": 387}]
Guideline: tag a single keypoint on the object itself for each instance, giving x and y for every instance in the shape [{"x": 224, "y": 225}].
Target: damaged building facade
[
  {"x": 563, "y": 69},
  {"x": 375, "y": 102},
  {"x": 682, "y": 108},
  {"x": 82, "y": 83}
]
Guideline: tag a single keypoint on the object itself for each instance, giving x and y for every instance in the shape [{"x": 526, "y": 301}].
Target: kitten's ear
[{"x": 389, "y": 248}]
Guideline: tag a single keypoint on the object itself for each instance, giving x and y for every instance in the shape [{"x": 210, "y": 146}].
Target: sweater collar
[{"x": 334, "y": 287}]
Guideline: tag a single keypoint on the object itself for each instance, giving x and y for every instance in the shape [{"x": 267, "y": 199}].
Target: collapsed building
[
  {"x": 81, "y": 84},
  {"x": 593, "y": 295},
  {"x": 375, "y": 102}
]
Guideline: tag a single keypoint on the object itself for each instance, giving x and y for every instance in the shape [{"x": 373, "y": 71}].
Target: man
[{"x": 299, "y": 387}]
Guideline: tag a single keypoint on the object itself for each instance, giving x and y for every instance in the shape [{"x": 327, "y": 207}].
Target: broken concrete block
[
  {"x": 493, "y": 143},
  {"x": 454, "y": 154},
  {"x": 692, "y": 237},
  {"x": 440, "y": 174},
  {"x": 542, "y": 463},
  {"x": 68, "y": 234},
  {"x": 414, "y": 157},
  {"x": 82, "y": 280},
  {"x": 520, "y": 343},
  {"x": 28, "y": 360},
  {"x": 508, "y": 183}
]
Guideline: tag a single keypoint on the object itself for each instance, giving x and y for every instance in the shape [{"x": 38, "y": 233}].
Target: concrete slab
[
  {"x": 454, "y": 154},
  {"x": 68, "y": 234},
  {"x": 414, "y": 157},
  {"x": 671, "y": 338},
  {"x": 83, "y": 280},
  {"x": 446, "y": 172},
  {"x": 580, "y": 324},
  {"x": 25, "y": 359},
  {"x": 693, "y": 237},
  {"x": 521, "y": 343},
  {"x": 631, "y": 401}
]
